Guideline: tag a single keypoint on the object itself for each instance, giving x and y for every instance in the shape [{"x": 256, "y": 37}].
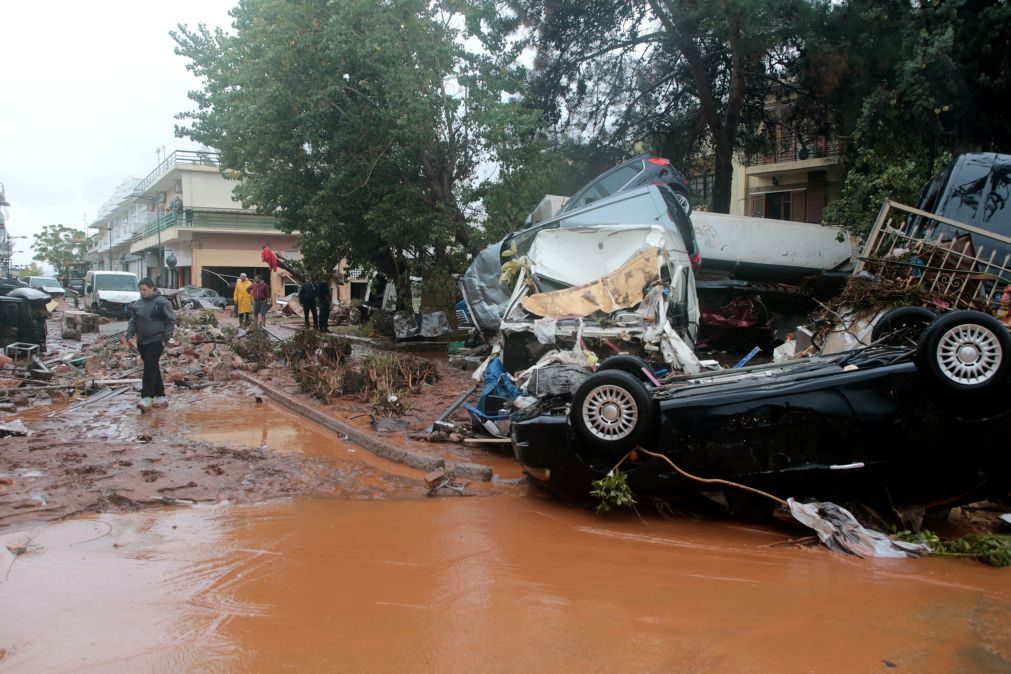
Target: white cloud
[{"x": 88, "y": 93}]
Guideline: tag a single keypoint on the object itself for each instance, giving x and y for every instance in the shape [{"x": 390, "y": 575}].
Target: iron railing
[
  {"x": 965, "y": 266},
  {"x": 195, "y": 157},
  {"x": 792, "y": 147},
  {"x": 208, "y": 219}
]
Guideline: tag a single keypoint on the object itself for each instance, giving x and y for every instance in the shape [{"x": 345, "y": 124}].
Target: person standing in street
[
  {"x": 325, "y": 300},
  {"x": 243, "y": 299},
  {"x": 260, "y": 292},
  {"x": 307, "y": 298},
  {"x": 151, "y": 325}
]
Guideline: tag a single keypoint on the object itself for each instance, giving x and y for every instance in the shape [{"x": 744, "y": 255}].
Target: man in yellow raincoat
[{"x": 243, "y": 300}]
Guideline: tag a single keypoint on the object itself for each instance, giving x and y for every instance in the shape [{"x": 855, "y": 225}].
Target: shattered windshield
[{"x": 115, "y": 282}]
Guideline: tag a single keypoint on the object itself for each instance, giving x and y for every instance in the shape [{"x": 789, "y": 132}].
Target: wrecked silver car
[
  {"x": 612, "y": 277},
  {"x": 599, "y": 291}
]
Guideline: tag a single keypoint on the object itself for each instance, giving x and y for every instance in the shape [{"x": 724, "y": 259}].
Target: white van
[{"x": 110, "y": 292}]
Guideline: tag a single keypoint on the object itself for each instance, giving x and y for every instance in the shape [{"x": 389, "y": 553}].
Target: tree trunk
[{"x": 724, "y": 176}]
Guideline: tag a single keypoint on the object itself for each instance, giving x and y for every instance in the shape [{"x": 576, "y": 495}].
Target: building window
[
  {"x": 777, "y": 205},
  {"x": 701, "y": 188}
]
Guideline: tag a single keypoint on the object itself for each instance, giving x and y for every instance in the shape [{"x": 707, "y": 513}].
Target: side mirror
[{"x": 87, "y": 288}]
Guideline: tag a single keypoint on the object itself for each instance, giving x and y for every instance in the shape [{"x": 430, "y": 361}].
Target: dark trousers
[
  {"x": 152, "y": 385},
  {"x": 306, "y": 309},
  {"x": 324, "y": 316}
]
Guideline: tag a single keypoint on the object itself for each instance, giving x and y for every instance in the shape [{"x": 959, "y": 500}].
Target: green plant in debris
[
  {"x": 613, "y": 491},
  {"x": 993, "y": 549},
  {"x": 255, "y": 345},
  {"x": 196, "y": 319},
  {"x": 300, "y": 348},
  {"x": 397, "y": 372},
  {"x": 389, "y": 403}
]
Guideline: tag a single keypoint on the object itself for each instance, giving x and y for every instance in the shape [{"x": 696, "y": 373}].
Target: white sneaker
[
  {"x": 160, "y": 401},
  {"x": 144, "y": 404}
]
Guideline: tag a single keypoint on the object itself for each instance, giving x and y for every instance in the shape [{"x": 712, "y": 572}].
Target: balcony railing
[
  {"x": 792, "y": 148},
  {"x": 207, "y": 219},
  {"x": 198, "y": 157}
]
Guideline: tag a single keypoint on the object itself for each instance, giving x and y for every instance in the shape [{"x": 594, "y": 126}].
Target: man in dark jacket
[
  {"x": 151, "y": 325},
  {"x": 307, "y": 298},
  {"x": 324, "y": 300}
]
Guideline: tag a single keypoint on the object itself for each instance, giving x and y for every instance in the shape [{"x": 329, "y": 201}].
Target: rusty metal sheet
[{"x": 618, "y": 290}]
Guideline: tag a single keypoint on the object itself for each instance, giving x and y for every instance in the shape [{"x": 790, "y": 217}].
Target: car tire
[
  {"x": 902, "y": 326},
  {"x": 611, "y": 411},
  {"x": 630, "y": 364},
  {"x": 682, "y": 198},
  {"x": 966, "y": 352}
]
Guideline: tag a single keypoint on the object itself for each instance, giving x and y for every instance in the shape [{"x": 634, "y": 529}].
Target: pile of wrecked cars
[{"x": 594, "y": 315}]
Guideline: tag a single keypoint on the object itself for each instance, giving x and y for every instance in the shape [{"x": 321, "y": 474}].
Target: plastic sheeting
[
  {"x": 839, "y": 530},
  {"x": 407, "y": 325}
]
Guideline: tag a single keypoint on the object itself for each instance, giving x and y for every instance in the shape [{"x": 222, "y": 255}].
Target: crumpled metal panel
[
  {"x": 618, "y": 290},
  {"x": 486, "y": 297}
]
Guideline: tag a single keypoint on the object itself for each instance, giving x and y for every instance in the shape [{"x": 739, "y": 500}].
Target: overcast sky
[{"x": 88, "y": 93}]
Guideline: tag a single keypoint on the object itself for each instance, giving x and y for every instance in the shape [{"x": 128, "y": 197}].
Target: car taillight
[
  {"x": 659, "y": 161},
  {"x": 696, "y": 259}
]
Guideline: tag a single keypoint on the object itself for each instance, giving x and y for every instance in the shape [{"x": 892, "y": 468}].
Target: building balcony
[
  {"x": 793, "y": 154},
  {"x": 189, "y": 157}
]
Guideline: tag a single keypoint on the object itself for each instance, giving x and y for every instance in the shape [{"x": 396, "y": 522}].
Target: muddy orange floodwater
[{"x": 511, "y": 582}]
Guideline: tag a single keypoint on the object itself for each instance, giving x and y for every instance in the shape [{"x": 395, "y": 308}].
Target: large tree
[
  {"x": 911, "y": 84},
  {"x": 61, "y": 247},
  {"x": 684, "y": 77},
  {"x": 356, "y": 123}
]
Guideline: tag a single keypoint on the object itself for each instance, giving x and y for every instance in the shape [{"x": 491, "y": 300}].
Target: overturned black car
[{"x": 927, "y": 425}]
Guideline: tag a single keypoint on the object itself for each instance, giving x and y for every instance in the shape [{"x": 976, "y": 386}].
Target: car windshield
[
  {"x": 115, "y": 282},
  {"x": 44, "y": 282},
  {"x": 191, "y": 290}
]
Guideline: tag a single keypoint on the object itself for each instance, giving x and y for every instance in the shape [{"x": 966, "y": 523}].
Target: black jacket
[{"x": 307, "y": 294}]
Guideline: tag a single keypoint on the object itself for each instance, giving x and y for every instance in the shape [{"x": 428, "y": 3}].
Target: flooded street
[{"x": 385, "y": 579}]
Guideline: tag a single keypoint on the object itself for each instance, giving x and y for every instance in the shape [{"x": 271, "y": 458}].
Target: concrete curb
[{"x": 399, "y": 455}]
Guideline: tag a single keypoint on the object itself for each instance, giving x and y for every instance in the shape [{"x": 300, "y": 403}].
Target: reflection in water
[{"x": 499, "y": 583}]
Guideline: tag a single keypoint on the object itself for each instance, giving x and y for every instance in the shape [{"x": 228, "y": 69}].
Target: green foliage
[
  {"x": 993, "y": 549},
  {"x": 255, "y": 346},
  {"x": 682, "y": 78},
  {"x": 359, "y": 124},
  {"x": 613, "y": 491},
  {"x": 874, "y": 178},
  {"x": 63, "y": 248}
]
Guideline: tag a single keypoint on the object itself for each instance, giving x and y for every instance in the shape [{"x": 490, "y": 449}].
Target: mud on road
[{"x": 108, "y": 457}]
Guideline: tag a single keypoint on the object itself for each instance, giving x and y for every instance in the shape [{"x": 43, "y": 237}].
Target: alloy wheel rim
[
  {"x": 610, "y": 412},
  {"x": 969, "y": 354}
]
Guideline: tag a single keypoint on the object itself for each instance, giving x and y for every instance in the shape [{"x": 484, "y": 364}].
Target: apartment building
[
  {"x": 796, "y": 180},
  {"x": 180, "y": 226}
]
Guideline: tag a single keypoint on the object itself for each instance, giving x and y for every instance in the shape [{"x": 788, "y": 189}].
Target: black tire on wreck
[
  {"x": 902, "y": 326},
  {"x": 611, "y": 412},
  {"x": 626, "y": 363},
  {"x": 967, "y": 353}
]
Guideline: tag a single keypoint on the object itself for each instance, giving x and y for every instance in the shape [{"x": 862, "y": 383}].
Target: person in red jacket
[
  {"x": 268, "y": 257},
  {"x": 261, "y": 300}
]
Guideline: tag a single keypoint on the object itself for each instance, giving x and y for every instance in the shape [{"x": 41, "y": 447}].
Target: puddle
[{"x": 500, "y": 583}]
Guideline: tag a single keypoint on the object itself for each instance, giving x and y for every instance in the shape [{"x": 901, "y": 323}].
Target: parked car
[
  {"x": 110, "y": 292},
  {"x": 46, "y": 284},
  {"x": 636, "y": 172},
  {"x": 889, "y": 424},
  {"x": 77, "y": 285},
  {"x": 192, "y": 297}
]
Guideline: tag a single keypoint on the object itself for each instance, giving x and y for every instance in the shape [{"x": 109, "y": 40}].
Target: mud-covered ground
[{"x": 107, "y": 457}]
